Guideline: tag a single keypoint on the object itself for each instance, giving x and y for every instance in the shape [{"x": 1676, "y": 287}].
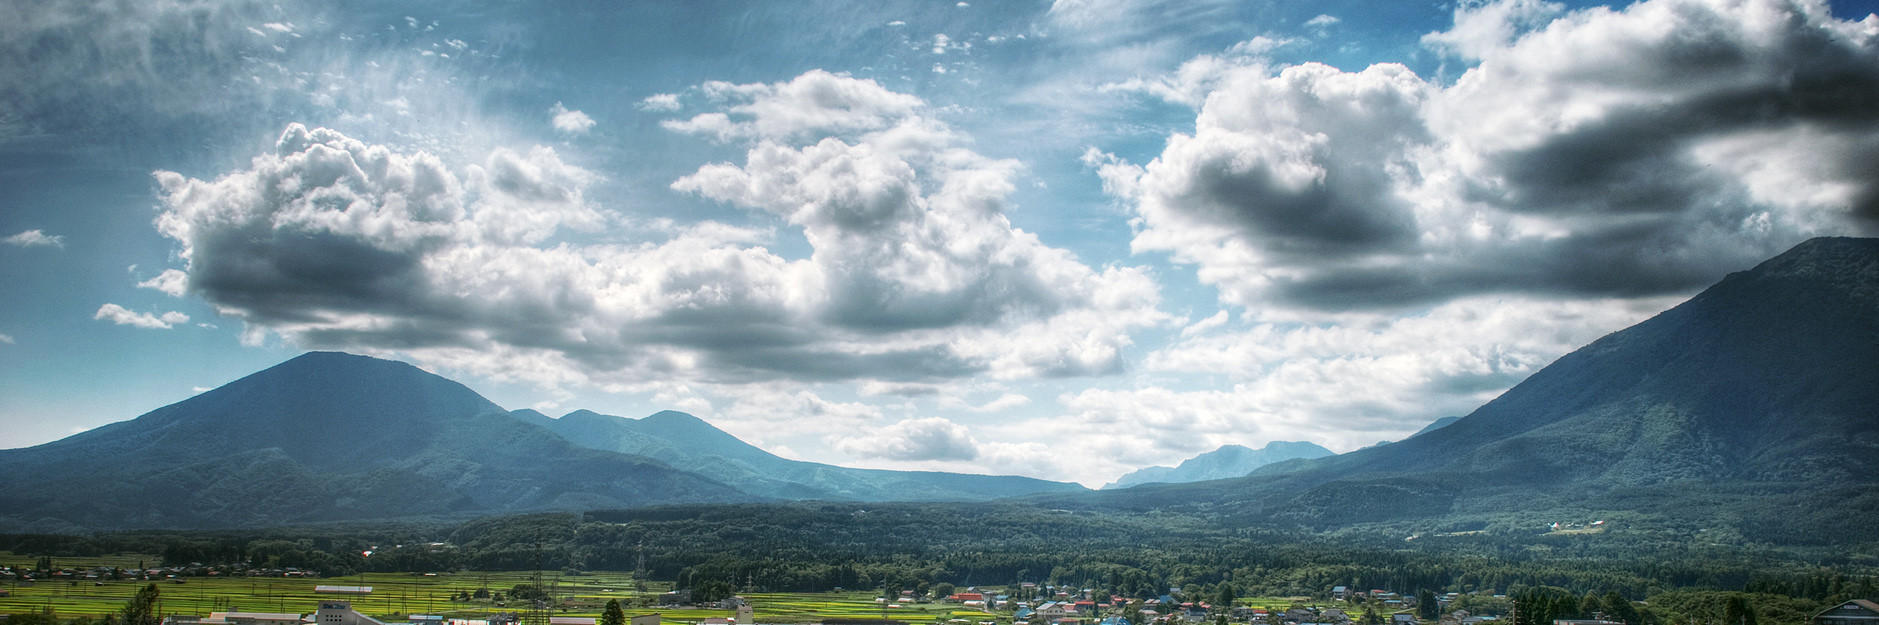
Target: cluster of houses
[
  {"x": 174, "y": 574},
  {"x": 1065, "y": 608}
]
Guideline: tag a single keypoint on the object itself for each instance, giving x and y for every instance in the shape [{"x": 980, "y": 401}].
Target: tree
[
  {"x": 943, "y": 590},
  {"x": 1590, "y": 605},
  {"x": 1426, "y": 607},
  {"x": 1225, "y": 596},
  {"x": 1370, "y": 616},
  {"x": 1736, "y": 611},
  {"x": 710, "y": 590},
  {"x": 612, "y": 614},
  {"x": 1618, "y": 608},
  {"x": 142, "y": 609}
]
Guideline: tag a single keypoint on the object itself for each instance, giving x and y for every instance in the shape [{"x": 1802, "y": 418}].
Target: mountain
[
  {"x": 1226, "y": 462},
  {"x": 688, "y": 442},
  {"x": 1436, "y": 425},
  {"x": 325, "y": 437},
  {"x": 1749, "y": 409}
]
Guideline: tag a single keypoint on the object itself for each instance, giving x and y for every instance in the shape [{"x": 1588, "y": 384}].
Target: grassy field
[{"x": 396, "y": 596}]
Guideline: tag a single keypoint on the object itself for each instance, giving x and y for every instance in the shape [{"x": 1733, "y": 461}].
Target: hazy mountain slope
[
  {"x": 690, "y": 443},
  {"x": 1751, "y": 405},
  {"x": 1436, "y": 425},
  {"x": 1226, "y": 462},
  {"x": 326, "y": 436}
]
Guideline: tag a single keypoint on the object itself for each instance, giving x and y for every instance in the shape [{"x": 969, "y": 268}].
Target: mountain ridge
[
  {"x": 1229, "y": 461},
  {"x": 1748, "y": 406},
  {"x": 685, "y": 440}
]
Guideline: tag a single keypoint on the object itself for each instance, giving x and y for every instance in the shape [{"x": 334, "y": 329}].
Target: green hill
[
  {"x": 1753, "y": 407},
  {"x": 325, "y": 437}
]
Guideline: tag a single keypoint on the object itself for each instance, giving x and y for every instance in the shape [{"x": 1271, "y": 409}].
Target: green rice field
[{"x": 396, "y": 596}]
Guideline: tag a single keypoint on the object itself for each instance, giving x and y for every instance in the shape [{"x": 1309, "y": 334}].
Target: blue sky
[{"x": 1064, "y": 239}]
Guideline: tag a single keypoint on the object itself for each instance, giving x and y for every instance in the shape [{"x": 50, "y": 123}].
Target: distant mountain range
[
  {"x": 1226, "y": 462},
  {"x": 338, "y": 437},
  {"x": 1753, "y": 407},
  {"x": 683, "y": 440}
]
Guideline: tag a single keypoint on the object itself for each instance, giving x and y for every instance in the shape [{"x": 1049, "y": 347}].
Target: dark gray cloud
[{"x": 1586, "y": 156}]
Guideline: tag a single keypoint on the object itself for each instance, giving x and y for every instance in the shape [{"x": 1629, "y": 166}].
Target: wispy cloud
[
  {"x": 124, "y": 317},
  {"x": 35, "y": 238}
]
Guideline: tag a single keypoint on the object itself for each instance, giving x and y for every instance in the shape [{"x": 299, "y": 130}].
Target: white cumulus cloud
[
  {"x": 914, "y": 440},
  {"x": 570, "y": 122},
  {"x": 914, "y": 275},
  {"x": 121, "y": 316},
  {"x": 172, "y": 282}
]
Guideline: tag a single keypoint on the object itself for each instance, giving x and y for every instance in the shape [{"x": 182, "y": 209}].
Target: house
[
  {"x": 1404, "y": 618},
  {"x": 570, "y": 620},
  {"x": 1855, "y": 612},
  {"x": 1340, "y": 593},
  {"x": 1085, "y": 607},
  {"x": 342, "y": 590},
  {"x": 1053, "y": 610},
  {"x": 646, "y": 619}
]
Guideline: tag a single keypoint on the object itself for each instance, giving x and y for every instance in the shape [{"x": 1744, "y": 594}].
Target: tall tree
[
  {"x": 142, "y": 609},
  {"x": 1618, "y": 608},
  {"x": 1426, "y": 606},
  {"x": 1736, "y": 611},
  {"x": 612, "y": 614}
]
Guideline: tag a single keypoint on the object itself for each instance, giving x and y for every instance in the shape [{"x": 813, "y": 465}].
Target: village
[{"x": 301, "y": 597}]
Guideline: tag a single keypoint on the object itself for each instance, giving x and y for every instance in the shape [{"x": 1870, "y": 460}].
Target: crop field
[{"x": 396, "y": 596}]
